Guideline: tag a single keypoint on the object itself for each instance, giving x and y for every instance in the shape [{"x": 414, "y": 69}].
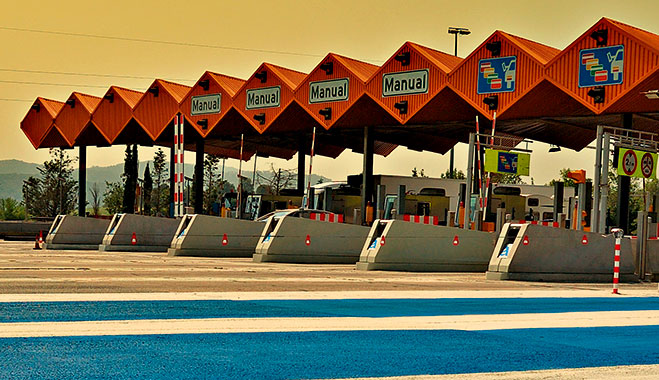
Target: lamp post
[{"x": 456, "y": 32}]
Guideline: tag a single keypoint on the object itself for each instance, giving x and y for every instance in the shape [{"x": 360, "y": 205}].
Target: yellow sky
[{"x": 367, "y": 30}]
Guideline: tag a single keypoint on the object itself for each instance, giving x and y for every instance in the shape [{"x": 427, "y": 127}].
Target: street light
[
  {"x": 652, "y": 94},
  {"x": 456, "y": 32}
]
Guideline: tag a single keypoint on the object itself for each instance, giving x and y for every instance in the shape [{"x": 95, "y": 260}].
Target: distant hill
[{"x": 14, "y": 172}]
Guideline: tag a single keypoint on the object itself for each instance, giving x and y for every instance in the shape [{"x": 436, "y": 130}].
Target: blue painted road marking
[
  {"x": 319, "y": 354},
  {"x": 133, "y": 310}
]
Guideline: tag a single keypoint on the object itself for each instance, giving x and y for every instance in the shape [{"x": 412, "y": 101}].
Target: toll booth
[
  {"x": 311, "y": 238},
  {"x": 534, "y": 252},
  {"x": 416, "y": 246},
  {"x": 76, "y": 232},
  {"x": 212, "y": 236},
  {"x": 139, "y": 233}
]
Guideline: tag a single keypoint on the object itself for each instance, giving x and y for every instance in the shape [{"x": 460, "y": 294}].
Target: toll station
[{"x": 602, "y": 87}]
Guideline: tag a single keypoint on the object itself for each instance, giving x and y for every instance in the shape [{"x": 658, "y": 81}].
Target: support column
[
  {"x": 300, "y": 167},
  {"x": 199, "y": 177},
  {"x": 367, "y": 172},
  {"x": 595, "y": 213},
  {"x": 82, "y": 180},
  {"x": 172, "y": 169},
  {"x": 604, "y": 183},
  {"x": 624, "y": 185},
  {"x": 470, "y": 176}
]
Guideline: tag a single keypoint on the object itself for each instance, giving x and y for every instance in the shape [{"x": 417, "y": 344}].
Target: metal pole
[
  {"x": 254, "y": 173},
  {"x": 309, "y": 195},
  {"x": 604, "y": 183},
  {"x": 82, "y": 180},
  {"x": 367, "y": 172},
  {"x": 470, "y": 170},
  {"x": 199, "y": 177},
  {"x": 452, "y": 154},
  {"x": 300, "y": 168},
  {"x": 594, "y": 215},
  {"x": 240, "y": 179}
]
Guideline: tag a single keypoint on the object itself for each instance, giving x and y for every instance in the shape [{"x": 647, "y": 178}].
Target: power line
[
  {"x": 16, "y": 100},
  {"x": 174, "y": 43},
  {"x": 89, "y": 74},
  {"x": 53, "y": 84}
]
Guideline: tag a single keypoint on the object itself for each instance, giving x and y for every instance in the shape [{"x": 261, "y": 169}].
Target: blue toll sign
[
  {"x": 507, "y": 163},
  {"x": 601, "y": 66},
  {"x": 497, "y": 75}
]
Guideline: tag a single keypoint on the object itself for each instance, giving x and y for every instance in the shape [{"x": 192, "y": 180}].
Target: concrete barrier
[
  {"x": 301, "y": 240},
  {"x": 405, "y": 246},
  {"x": 538, "y": 253},
  {"x": 21, "y": 229},
  {"x": 76, "y": 232},
  {"x": 152, "y": 234},
  {"x": 212, "y": 236}
]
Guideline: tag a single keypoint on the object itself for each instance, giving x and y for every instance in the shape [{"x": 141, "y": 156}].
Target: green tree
[
  {"x": 11, "y": 209},
  {"x": 212, "y": 190},
  {"x": 113, "y": 197},
  {"x": 148, "y": 190},
  {"x": 54, "y": 191},
  {"x": 507, "y": 178},
  {"x": 160, "y": 195},
  {"x": 457, "y": 174}
]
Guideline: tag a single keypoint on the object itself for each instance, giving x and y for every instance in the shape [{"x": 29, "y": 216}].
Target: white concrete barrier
[
  {"x": 212, "y": 236},
  {"x": 76, "y": 232},
  {"x": 405, "y": 246},
  {"x": 150, "y": 233},
  {"x": 299, "y": 240},
  {"x": 537, "y": 253}
]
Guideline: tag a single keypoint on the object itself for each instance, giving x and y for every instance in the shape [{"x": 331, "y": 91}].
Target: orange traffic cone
[
  {"x": 36, "y": 243},
  {"x": 133, "y": 240}
]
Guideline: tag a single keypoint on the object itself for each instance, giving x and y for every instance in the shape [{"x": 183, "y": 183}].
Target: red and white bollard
[{"x": 618, "y": 233}]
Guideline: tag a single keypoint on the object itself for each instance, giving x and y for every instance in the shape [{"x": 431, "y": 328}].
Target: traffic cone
[
  {"x": 133, "y": 239},
  {"x": 40, "y": 237},
  {"x": 36, "y": 243}
]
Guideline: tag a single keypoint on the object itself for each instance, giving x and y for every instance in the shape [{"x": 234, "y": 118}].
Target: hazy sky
[{"x": 366, "y": 30}]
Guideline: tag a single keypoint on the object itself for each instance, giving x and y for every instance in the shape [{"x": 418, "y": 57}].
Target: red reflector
[
  {"x": 307, "y": 241},
  {"x": 456, "y": 240},
  {"x": 225, "y": 240},
  {"x": 382, "y": 240},
  {"x": 525, "y": 241},
  {"x": 584, "y": 240}
]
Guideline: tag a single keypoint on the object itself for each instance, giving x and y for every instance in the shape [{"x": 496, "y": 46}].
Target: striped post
[
  {"x": 313, "y": 143},
  {"x": 618, "y": 233},
  {"x": 176, "y": 157},
  {"x": 181, "y": 162}
]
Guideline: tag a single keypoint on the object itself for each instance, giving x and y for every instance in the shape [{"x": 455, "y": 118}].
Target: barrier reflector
[
  {"x": 133, "y": 239},
  {"x": 456, "y": 240},
  {"x": 526, "y": 240},
  {"x": 421, "y": 219},
  {"x": 382, "y": 241},
  {"x": 323, "y": 217},
  {"x": 40, "y": 237},
  {"x": 584, "y": 240},
  {"x": 307, "y": 241},
  {"x": 225, "y": 239}
]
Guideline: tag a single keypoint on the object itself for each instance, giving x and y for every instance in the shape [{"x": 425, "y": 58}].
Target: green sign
[
  {"x": 637, "y": 163},
  {"x": 501, "y": 161}
]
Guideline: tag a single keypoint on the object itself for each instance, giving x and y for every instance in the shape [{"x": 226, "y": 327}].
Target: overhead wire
[{"x": 89, "y": 74}]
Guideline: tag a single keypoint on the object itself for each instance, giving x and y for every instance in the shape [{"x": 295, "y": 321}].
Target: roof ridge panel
[
  {"x": 53, "y": 106},
  {"x": 231, "y": 84},
  {"x": 178, "y": 91},
  {"x": 361, "y": 69},
  {"x": 651, "y": 39},
  {"x": 292, "y": 77},
  {"x": 88, "y": 101},
  {"x": 447, "y": 62},
  {"x": 131, "y": 97},
  {"x": 541, "y": 52}
]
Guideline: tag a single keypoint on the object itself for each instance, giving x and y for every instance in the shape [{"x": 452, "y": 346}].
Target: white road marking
[
  {"x": 298, "y": 295},
  {"x": 247, "y": 325}
]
